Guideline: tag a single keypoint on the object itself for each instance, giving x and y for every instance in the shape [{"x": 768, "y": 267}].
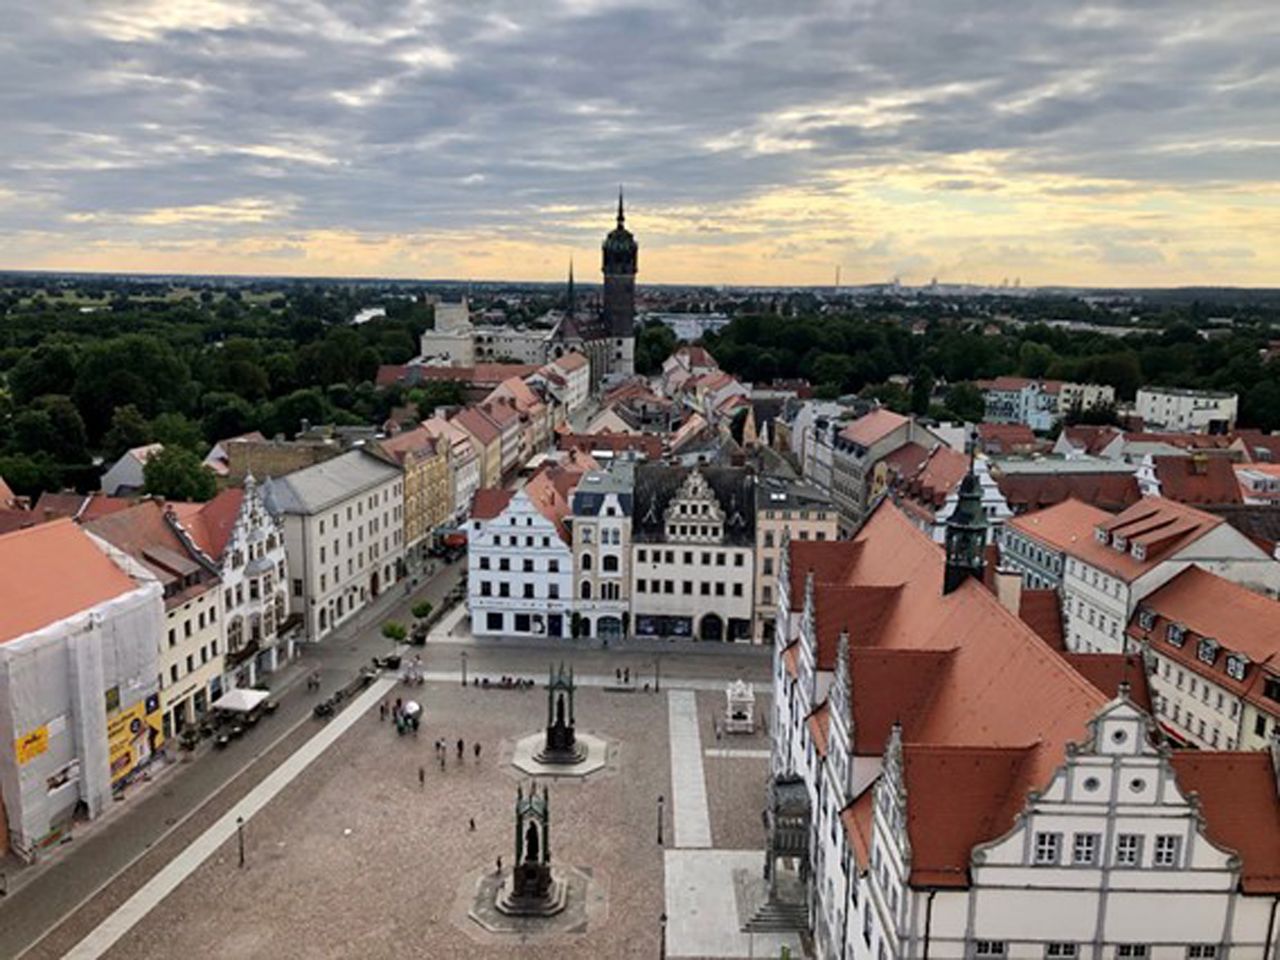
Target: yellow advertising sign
[
  {"x": 32, "y": 745},
  {"x": 133, "y": 735}
]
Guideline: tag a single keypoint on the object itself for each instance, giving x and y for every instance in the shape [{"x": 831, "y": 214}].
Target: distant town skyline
[{"x": 1060, "y": 144}]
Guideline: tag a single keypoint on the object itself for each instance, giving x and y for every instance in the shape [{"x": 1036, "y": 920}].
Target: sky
[{"x": 1134, "y": 143}]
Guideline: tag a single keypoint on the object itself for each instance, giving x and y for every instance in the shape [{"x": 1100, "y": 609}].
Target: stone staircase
[{"x": 778, "y": 916}]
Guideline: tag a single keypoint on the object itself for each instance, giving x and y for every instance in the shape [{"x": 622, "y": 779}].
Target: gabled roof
[
  {"x": 872, "y": 427},
  {"x": 52, "y": 571},
  {"x": 489, "y": 502},
  {"x": 1108, "y": 490},
  {"x": 1160, "y": 526},
  {"x": 1107, "y": 671},
  {"x": 1091, "y": 439},
  {"x": 210, "y": 524},
  {"x": 1198, "y": 479},
  {"x": 894, "y": 686},
  {"x": 1259, "y": 446},
  {"x": 78, "y": 506},
  {"x": 419, "y": 442},
  {"x": 1005, "y": 437},
  {"x": 1042, "y": 612},
  {"x": 571, "y": 361},
  {"x": 1237, "y": 793},
  {"x": 473, "y": 420},
  {"x": 957, "y": 798},
  {"x": 1005, "y": 384},
  {"x": 143, "y": 532},
  {"x": 323, "y": 485}
]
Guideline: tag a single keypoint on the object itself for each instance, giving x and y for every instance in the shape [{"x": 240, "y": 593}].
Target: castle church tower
[
  {"x": 620, "y": 261},
  {"x": 966, "y": 536}
]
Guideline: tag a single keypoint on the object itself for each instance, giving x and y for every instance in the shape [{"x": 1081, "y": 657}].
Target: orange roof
[
  {"x": 1091, "y": 439},
  {"x": 1004, "y": 437},
  {"x": 1197, "y": 479},
  {"x": 479, "y": 426},
  {"x": 873, "y": 426},
  {"x": 1107, "y": 671},
  {"x": 828, "y": 565},
  {"x": 210, "y": 524},
  {"x": 571, "y": 361},
  {"x": 54, "y": 570},
  {"x": 1108, "y": 490},
  {"x": 520, "y": 393},
  {"x": 1196, "y": 599},
  {"x": 488, "y": 502},
  {"x": 549, "y": 490},
  {"x": 1041, "y": 611},
  {"x": 957, "y": 798},
  {"x": 818, "y": 728},
  {"x": 419, "y": 441},
  {"x": 857, "y": 819},
  {"x": 6, "y": 494},
  {"x": 143, "y": 532},
  {"x": 1019, "y": 383},
  {"x": 1237, "y": 792},
  {"x": 1061, "y": 526},
  {"x": 915, "y": 676},
  {"x": 1159, "y": 526}
]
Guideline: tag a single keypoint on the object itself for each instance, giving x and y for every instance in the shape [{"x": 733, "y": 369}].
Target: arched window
[
  {"x": 610, "y": 564},
  {"x": 586, "y": 561},
  {"x": 235, "y": 634},
  {"x": 585, "y": 590}
]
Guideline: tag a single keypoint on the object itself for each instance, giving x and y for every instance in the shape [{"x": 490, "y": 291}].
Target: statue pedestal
[
  {"x": 561, "y": 747},
  {"x": 532, "y": 891}
]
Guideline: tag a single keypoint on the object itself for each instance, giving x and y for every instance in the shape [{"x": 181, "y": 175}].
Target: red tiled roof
[
  {"x": 873, "y": 426},
  {"x": 1019, "y": 383},
  {"x": 210, "y": 524},
  {"x": 857, "y": 819},
  {"x": 1237, "y": 792},
  {"x": 828, "y": 564},
  {"x": 489, "y": 502},
  {"x": 55, "y": 571},
  {"x": 939, "y": 475},
  {"x": 78, "y": 506},
  {"x": 1107, "y": 671},
  {"x": 1041, "y": 611},
  {"x": 571, "y": 361},
  {"x": 11, "y": 520},
  {"x": 915, "y": 676},
  {"x": 1091, "y": 439},
  {"x": 479, "y": 426},
  {"x": 1196, "y": 600},
  {"x": 1062, "y": 525},
  {"x": 647, "y": 443},
  {"x": 6, "y": 494},
  {"x": 958, "y": 798},
  {"x": 1255, "y": 442},
  {"x": 144, "y": 533},
  {"x": 1034, "y": 491},
  {"x": 1197, "y": 479},
  {"x": 1005, "y": 437}
]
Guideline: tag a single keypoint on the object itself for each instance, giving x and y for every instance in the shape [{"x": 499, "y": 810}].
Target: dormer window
[
  {"x": 1236, "y": 665},
  {"x": 1175, "y": 633},
  {"x": 1207, "y": 650},
  {"x": 1146, "y": 618},
  {"x": 1100, "y": 534},
  {"x": 1139, "y": 552}
]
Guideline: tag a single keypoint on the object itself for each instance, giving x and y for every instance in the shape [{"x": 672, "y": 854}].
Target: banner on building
[
  {"x": 133, "y": 735},
  {"x": 32, "y": 745}
]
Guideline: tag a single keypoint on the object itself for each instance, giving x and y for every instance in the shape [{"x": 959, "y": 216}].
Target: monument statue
[
  {"x": 560, "y": 746},
  {"x": 532, "y": 890}
]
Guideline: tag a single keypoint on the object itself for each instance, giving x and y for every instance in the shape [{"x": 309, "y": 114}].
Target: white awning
[{"x": 240, "y": 700}]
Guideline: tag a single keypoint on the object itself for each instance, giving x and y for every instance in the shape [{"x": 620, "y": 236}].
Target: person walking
[
  {"x": 477, "y": 750},
  {"x": 472, "y": 823},
  {"x": 422, "y": 777},
  {"x": 499, "y": 866},
  {"x": 382, "y": 711},
  {"x": 461, "y": 746}
]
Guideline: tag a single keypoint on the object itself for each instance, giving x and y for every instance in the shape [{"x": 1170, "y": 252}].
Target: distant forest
[{"x": 857, "y": 352}]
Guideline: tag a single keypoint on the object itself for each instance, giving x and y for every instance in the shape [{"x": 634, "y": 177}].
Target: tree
[
  {"x": 129, "y": 429},
  {"x": 177, "y": 474},
  {"x": 175, "y": 430},
  {"x": 226, "y": 415},
  {"x": 921, "y": 390},
  {"x": 137, "y": 368},
  {"x": 965, "y": 402},
  {"x": 394, "y": 631},
  {"x": 49, "y": 368},
  {"x": 422, "y": 610}
]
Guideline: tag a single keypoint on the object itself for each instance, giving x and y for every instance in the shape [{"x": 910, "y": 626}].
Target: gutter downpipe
[
  {"x": 928, "y": 921},
  {"x": 1271, "y": 926}
]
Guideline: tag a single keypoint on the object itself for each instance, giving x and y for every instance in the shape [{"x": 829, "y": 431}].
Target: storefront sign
[{"x": 32, "y": 745}]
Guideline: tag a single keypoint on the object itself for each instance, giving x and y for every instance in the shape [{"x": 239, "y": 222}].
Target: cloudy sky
[{"x": 760, "y": 141}]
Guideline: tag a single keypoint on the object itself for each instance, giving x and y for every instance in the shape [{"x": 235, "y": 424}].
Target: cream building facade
[
  {"x": 1180, "y": 410},
  {"x": 785, "y": 510},
  {"x": 428, "y": 488},
  {"x": 601, "y": 536}
]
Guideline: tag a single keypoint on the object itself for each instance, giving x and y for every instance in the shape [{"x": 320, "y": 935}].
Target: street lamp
[
  {"x": 660, "y": 802},
  {"x": 662, "y": 944},
  {"x": 464, "y": 668},
  {"x": 240, "y": 838}
]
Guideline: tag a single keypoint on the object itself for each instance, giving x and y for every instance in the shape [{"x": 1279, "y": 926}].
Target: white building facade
[{"x": 1178, "y": 410}]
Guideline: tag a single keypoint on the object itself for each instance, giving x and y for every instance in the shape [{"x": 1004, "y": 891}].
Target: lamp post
[
  {"x": 240, "y": 838},
  {"x": 660, "y": 802},
  {"x": 662, "y": 943},
  {"x": 464, "y": 668}
]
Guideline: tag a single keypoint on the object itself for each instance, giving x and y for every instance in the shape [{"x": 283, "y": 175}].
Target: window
[
  {"x": 1128, "y": 851},
  {"x": 1202, "y": 951},
  {"x": 493, "y": 621},
  {"x": 737, "y": 589},
  {"x": 688, "y": 588},
  {"x": 553, "y": 591},
  {"x": 1133, "y": 951},
  {"x": 610, "y": 564},
  {"x": 706, "y": 589},
  {"x": 586, "y": 561},
  {"x": 1174, "y": 633},
  {"x": 768, "y": 566},
  {"x": 527, "y": 565},
  {"x": 1065, "y": 950},
  {"x": 766, "y": 595},
  {"x": 1207, "y": 650},
  {"x": 585, "y": 590},
  {"x": 719, "y": 588},
  {"x": 528, "y": 591},
  {"x": 640, "y": 586},
  {"x": 504, "y": 589},
  {"x": 738, "y": 559},
  {"x": 1166, "y": 852},
  {"x": 1235, "y": 667},
  {"x": 641, "y": 556},
  {"x": 988, "y": 948},
  {"x": 173, "y": 638},
  {"x": 1048, "y": 848}
]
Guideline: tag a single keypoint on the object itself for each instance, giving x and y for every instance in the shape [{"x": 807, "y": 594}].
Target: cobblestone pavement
[{"x": 355, "y": 856}]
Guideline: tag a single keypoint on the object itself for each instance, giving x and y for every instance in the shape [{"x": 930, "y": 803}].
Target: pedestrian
[
  {"x": 477, "y": 749},
  {"x": 440, "y": 757},
  {"x": 382, "y": 711},
  {"x": 626, "y": 675},
  {"x": 617, "y": 674},
  {"x": 422, "y": 777},
  {"x": 499, "y": 866},
  {"x": 461, "y": 747},
  {"x": 472, "y": 823}
]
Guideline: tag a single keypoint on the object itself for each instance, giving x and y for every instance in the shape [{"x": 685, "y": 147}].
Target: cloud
[{"x": 755, "y": 139}]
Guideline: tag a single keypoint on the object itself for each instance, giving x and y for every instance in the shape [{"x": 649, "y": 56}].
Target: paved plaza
[{"x": 348, "y": 852}]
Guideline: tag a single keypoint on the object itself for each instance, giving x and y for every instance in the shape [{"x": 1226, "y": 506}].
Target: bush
[
  {"x": 422, "y": 610},
  {"x": 394, "y": 631}
]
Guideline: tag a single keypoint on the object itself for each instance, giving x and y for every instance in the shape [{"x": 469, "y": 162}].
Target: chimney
[
  {"x": 1009, "y": 590},
  {"x": 1199, "y": 464}
]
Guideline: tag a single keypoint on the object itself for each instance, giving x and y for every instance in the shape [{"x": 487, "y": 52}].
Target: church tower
[
  {"x": 966, "y": 532},
  {"x": 620, "y": 261}
]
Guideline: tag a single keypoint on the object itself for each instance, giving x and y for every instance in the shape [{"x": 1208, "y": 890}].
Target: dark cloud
[{"x": 396, "y": 116}]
